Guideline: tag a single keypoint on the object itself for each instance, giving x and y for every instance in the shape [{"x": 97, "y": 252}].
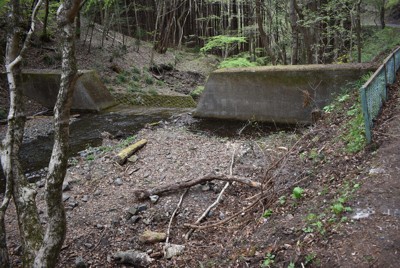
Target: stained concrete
[
  {"x": 90, "y": 93},
  {"x": 281, "y": 94}
]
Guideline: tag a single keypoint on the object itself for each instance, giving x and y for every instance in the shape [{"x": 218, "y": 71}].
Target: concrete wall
[
  {"x": 90, "y": 93},
  {"x": 282, "y": 94}
]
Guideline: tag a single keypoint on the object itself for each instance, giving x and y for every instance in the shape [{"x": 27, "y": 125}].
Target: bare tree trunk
[
  {"x": 295, "y": 33},
  {"x": 22, "y": 192},
  {"x": 45, "y": 36},
  {"x": 56, "y": 227},
  {"x": 358, "y": 31}
]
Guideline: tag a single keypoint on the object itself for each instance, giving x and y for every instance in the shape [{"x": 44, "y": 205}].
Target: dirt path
[{"x": 374, "y": 239}]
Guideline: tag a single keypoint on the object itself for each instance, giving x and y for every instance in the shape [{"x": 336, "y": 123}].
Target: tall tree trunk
[
  {"x": 23, "y": 193},
  {"x": 295, "y": 33},
  {"x": 263, "y": 35},
  {"x": 358, "y": 30},
  {"x": 45, "y": 36},
  {"x": 56, "y": 227},
  {"x": 382, "y": 14}
]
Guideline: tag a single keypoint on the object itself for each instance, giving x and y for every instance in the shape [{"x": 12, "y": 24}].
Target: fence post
[{"x": 364, "y": 106}]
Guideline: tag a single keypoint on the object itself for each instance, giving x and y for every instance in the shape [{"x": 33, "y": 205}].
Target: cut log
[{"x": 122, "y": 156}]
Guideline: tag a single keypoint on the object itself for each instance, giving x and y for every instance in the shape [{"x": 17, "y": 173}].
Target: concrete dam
[{"x": 280, "y": 94}]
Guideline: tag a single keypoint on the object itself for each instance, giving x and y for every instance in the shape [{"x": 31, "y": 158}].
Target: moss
[{"x": 156, "y": 100}]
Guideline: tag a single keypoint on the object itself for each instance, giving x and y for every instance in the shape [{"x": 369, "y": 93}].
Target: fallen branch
[
  {"x": 252, "y": 205},
  {"x": 171, "y": 219},
  {"x": 205, "y": 213},
  {"x": 130, "y": 150},
  {"x": 143, "y": 194}
]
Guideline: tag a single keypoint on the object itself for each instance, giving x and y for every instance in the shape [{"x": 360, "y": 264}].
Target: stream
[{"x": 85, "y": 132}]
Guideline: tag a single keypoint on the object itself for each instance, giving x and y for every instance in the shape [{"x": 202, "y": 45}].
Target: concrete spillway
[
  {"x": 90, "y": 93},
  {"x": 282, "y": 94}
]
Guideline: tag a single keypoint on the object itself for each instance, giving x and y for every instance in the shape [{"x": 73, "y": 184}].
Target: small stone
[
  {"x": 40, "y": 184},
  {"x": 142, "y": 207},
  {"x": 148, "y": 221},
  {"x": 133, "y": 158},
  {"x": 376, "y": 171},
  {"x": 146, "y": 175},
  {"x": 66, "y": 186},
  {"x": 118, "y": 182},
  {"x": 115, "y": 222},
  {"x": 221, "y": 216},
  {"x": 80, "y": 262},
  {"x": 150, "y": 237},
  {"x": 65, "y": 197},
  {"x": 99, "y": 226},
  {"x": 134, "y": 219},
  {"x": 154, "y": 198},
  {"x": 205, "y": 187},
  {"x": 88, "y": 245},
  {"x": 133, "y": 211},
  {"x": 97, "y": 193},
  {"x": 172, "y": 250},
  {"x": 85, "y": 198}
]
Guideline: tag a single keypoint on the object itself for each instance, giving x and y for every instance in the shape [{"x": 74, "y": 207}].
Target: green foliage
[
  {"x": 297, "y": 193},
  {"x": 236, "y": 63},
  {"x": 269, "y": 260},
  {"x": 197, "y": 92},
  {"x": 267, "y": 213},
  {"x": 380, "y": 41},
  {"x": 291, "y": 265},
  {"x": 149, "y": 80},
  {"x": 354, "y": 135},
  {"x": 222, "y": 42}
]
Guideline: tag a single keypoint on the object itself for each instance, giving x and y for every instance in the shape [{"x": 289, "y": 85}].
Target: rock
[
  {"x": 154, "y": 198},
  {"x": 134, "y": 219},
  {"x": 118, "y": 182},
  {"x": 66, "y": 186},
  {"x": 115, "y": 222},
  {"x": 221, "y": 216},
  {"x": 85, "y": 198},
  {"x": 376, "y": 171},
  {"x": 97, "y": 193},
  {"x": 80, "y": 262},
  {"x": 40, "y": 184},
  {"x": 172, "y": 250},
  {"x": 147, "y": 221},
  {"x": 88, "y": 245},
  {"x": 133, "y": 257},
  {"x": 65, "y": 197},
  {"x": 205, "y": 187},
  {"x": 150, "y": 237},
  {"x": 133, "y": 158},
  {"x": 133, "y": 211},
  {"x": 142, "y": 207}
]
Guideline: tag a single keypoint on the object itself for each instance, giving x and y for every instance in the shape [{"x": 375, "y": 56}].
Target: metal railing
[{"x": 374, "y": 91}]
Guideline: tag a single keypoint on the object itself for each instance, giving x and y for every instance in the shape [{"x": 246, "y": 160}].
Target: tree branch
[{"x": 143, "y": 194}]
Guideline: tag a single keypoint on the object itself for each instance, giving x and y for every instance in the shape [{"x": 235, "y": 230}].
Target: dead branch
[
  {"x": 252, "y": 205},
  {"x": 172, "y": 217},
  {"x": 143, "y": 194},
  {"x": 205, "y": 213}
]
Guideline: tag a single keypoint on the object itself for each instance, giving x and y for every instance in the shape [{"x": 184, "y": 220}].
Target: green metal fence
[{"x": 374, "y": 91}]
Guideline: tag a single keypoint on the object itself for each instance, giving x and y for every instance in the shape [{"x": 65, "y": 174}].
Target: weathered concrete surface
[
  {"x": 90, "y": 93},
  {"x": 281, "y": 94}
]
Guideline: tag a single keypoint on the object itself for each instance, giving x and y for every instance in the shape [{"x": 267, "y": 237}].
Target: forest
[{"x": 284, "y": 194}]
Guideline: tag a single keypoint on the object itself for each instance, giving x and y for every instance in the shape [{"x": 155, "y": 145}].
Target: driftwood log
[
  {"x": 122, "y": 156},
  {"x": 145, "y": 193}
]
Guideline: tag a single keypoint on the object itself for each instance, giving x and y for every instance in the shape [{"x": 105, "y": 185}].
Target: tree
[{"x": 41, "y": 247}]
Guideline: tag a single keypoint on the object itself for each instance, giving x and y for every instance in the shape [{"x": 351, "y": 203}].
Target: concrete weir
[
  {"x": 281, "y": 94},
  {"x": 90, "y": 93}
]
